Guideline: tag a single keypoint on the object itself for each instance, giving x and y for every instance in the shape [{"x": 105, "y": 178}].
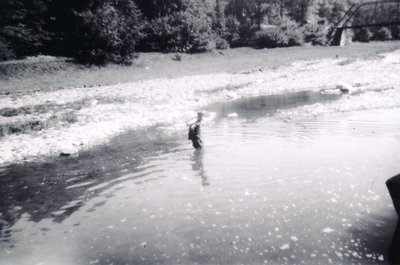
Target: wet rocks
[
  {"x": 343, "y": 89},
  {"x": 339, "y": 89},
  {"x": 67, "y": 151}
]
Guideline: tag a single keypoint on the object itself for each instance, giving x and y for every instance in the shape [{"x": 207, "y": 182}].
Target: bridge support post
[
  {"x": 337, "y": 36},
  {"x": 341, "y": 37},
  {"x": 345, "y": 37}
]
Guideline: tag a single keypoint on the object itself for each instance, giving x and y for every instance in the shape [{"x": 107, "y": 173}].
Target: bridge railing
[{"x": 378, "y": 13}]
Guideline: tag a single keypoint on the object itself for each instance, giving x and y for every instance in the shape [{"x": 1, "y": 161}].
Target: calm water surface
[{"x": 263, "y": 190}]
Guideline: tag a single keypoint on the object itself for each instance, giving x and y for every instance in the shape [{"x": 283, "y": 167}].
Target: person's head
[{"x": 200, "y": 116}]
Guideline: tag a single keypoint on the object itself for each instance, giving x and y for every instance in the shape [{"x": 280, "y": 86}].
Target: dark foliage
[
  {"x": 23, "y": 26},
  {"x": 383, "y": 34},
  {"x": 102, "y": 31},
  {"x": 316, "y": 33},
  {"x": 220, "y": 43},
  {"x": 181, "y": 27},
  {"x": 332, "y": 10},
  {"x": 395, "y": 30},
  {"x": 298, "y": 10},
  {"x": 5, "y": 52},
  {"x": 218, "y": 19},
  {"x": 110, "y": 30},
  {"x": 244, "y": 18},
  {"x": 286, "y": 34},
  {"x": 363, "y": 35}
]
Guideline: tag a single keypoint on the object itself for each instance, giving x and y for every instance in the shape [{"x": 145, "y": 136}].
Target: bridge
[{"x": 369, "y": 14}]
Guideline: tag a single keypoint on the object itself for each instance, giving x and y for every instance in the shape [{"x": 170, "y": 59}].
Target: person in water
[{"x": 194, "y": 132}]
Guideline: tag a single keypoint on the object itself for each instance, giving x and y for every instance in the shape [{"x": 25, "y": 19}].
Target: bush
[
  {"x": 239, "y": 33},
  {"x": 316, "y": 33},
  {"x": 110, "y": 32},
  {"x": 22, "y": 26},
  {"x": 268, "y": 38},
  {"x": 187, "y": 30},
  {"x": 383, "y": 34},
  {"x": 291, "y": 32},
  {"x": 5, "y": 52},
  {"x": 363, "y": 35},
  {"x": 395, "y": 30},
  {"x": 221, "y": 44},
  {"x": 217, "y": 42},
  {"x": 286, "y": 34},
  {"x": 232, "y": 31}
]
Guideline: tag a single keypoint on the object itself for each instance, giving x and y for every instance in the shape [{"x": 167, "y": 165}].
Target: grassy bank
[{"x": 47, "y": 73}]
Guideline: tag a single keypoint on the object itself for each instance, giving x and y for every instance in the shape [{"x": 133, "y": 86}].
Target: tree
[
  {"x": 395, "y": 31},
  {"x": 252, "y": 11},
  {"x": 218, "y": 24},
  {"x": 383, "y": 34},
  {"x": 110, "y": 31},
  {"x": 332, "y": 10},
  {"x": 287, "y": 33},
  {"x": 179, "y": 26},
  {"x": 298, "y": 9},
  {"x": 23, "y": 25},
  {"x": 363, "y": 35},
  {"x": 65, "y": 26},
  {"x": 245, "y": 18},
  {"x": 152, "y": 9}
]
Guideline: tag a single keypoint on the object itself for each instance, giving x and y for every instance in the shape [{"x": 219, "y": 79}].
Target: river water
[{"x": 306, "y": 190}]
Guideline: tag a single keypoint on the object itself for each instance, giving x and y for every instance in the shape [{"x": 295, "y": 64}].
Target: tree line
[{"x": 102, "y": 31}]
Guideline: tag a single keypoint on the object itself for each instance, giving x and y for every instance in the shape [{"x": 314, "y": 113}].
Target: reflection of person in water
[
  {"x": 194, "y": 132},
  {"x": 199, "y": 166}
]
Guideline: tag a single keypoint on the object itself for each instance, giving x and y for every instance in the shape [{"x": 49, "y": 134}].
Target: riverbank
[
  {"x": 40, "y": 117},
  {"x": 46, "y": 73}
]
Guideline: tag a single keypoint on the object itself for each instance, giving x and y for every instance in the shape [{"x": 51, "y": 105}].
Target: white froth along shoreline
[{"x": 108, "y": 111}]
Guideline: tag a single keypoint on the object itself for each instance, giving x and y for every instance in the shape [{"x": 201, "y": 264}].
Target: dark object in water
[
  {"x": 393, "y": 185},
  {"x": 194, "y": 135},
  {"x": 344, "y": 90},
  {"x": 65, "y": 154},
  {"x": 194, "y": 132}
]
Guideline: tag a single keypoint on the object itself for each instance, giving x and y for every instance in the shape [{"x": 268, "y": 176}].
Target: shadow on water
[
  {"x": 57, "y": 188},
  {"x": 258, "y": 107},
  {"x": 394, "y": 250},
  {"x": 376, "y": 233},
  {"x": 198, "y": 166},
  {"x": 381, "y": 233}
]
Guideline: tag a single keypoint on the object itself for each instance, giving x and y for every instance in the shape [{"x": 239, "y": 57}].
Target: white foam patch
[
  {"x": 327, "y": 230},
  {"x": 284, "y": 246}
]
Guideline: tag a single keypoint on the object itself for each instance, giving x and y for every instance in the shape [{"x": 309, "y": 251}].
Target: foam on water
[{"x": 173, "y": 102}]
